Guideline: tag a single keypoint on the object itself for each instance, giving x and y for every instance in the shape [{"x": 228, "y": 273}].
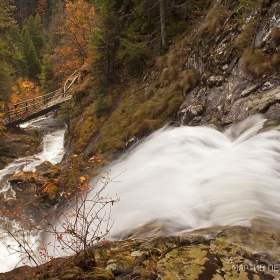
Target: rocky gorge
[{"x": 225, "y": 78}]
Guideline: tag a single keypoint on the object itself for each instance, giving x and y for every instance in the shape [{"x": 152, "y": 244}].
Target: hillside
[{"x": 223, "y": 68}]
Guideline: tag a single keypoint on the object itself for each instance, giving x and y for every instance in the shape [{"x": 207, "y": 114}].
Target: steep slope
[{"x": 223, "y": 68}]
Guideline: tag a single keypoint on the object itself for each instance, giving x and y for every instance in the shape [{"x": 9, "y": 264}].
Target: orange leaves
[
  {"x": 42, "y": 5},
  {"x": 94, "y": 159},
  {"x": 74, "y": 30},
  {"x": 23, "y": 90},
  {"x": 83, "y": 178},
  {"x": 46, "y": 188},
  {"x": 83, "y": 183}
]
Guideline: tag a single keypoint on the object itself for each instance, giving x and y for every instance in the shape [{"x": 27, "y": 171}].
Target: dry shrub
[
  {"x": 275, "y": 35},
  {"x": 172, "y": 58},
  {"x": 212, "y": 23},
  {"x": 245, "y": 38},
  {"x": 167, "y": 75},
  {"x": 2, "y": 130},
  {"x": 174, "y": 105},
  {"x": 161, "y": 63},
  {"x": 255, "y": 62},
  {"x": 189, "y": 79},
  {"x": 275, "y": 59}
]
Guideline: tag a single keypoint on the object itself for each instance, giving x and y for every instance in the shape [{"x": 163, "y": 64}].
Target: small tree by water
[{"x": 85, "y": 220}]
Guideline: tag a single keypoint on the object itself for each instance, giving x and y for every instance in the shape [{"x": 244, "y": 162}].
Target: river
[{"x": 53, "y": 150}]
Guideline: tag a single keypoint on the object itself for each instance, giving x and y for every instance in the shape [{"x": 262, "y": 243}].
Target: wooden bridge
[{"x": 38, "y": 106}]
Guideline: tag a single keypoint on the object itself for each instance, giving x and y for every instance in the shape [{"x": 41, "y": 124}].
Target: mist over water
[{"x": 187, "y": 178}]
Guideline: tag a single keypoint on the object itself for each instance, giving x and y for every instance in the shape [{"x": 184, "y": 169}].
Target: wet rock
[
  {"x": 16, "y": 143},
  {"x": 47, "y": 169},
  {"x": 187, "y": 114},
  {"x": 20, "y": 177}
]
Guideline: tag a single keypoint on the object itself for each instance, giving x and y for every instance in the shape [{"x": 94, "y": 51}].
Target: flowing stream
[
  {"x": 53, "y": 144},
  {"x": 183, "y": 179}
]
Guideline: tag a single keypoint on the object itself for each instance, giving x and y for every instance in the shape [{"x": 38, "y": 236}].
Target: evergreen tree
[
  {"x": 10, "y": 56},
  {"x": 32, "y": 44}
]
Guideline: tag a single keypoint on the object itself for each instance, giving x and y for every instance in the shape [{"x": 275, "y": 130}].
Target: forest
[{"x": 44, "y": 41}]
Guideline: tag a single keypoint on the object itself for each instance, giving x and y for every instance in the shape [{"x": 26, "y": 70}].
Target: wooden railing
[{"x": 34, "y": 107}]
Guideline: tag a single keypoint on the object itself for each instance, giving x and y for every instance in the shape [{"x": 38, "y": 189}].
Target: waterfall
[
  {"x": 182, "y": 179},
  {"x": 187, "y": 178}
]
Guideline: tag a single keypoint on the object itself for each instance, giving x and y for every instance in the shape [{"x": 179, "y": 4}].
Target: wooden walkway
[{"x": 38, "y": 106}]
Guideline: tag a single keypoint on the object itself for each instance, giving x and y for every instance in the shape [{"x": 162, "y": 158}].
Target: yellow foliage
[
  {"x": 23, "y": 90},
  {"x": 74, "y": 30}
]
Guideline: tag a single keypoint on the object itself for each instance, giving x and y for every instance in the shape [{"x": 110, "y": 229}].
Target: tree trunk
[{"x": 162, "y": 23}]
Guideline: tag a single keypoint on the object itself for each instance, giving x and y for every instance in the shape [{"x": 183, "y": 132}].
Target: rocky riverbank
[{"x": 16, "y": 142}]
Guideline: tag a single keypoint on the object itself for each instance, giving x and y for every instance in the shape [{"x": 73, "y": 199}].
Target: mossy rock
[
  {"x": 69, "y": 273},
  {"x": 48, "y": 170},
  {"x": 49, "y": 192},
  {"x": 27, "y": 176},
  {"x": 99, "y": 274},
  {"x": 219, "y": 260},
  {"x": 121, "y": 264}
]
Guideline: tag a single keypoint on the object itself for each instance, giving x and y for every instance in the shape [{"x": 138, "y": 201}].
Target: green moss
[
  {"x": 100, "y": 274},
  {"x": 69, "y": 273}
]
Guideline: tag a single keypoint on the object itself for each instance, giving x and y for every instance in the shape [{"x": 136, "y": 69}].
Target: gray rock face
[{"x": 226, "y": 93}]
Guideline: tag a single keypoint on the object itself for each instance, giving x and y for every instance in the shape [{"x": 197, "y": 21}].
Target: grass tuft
[
  {"x": 212, "y": 22},
  {"x": 275, "y": 35},
  {"x": 255, "y": 62},
  {"x": 189, "y": 79}
]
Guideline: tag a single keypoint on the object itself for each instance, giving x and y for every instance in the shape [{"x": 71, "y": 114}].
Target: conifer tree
[
  {"x": 32, "y": 44},
  {"x": 10, "y": 56}
]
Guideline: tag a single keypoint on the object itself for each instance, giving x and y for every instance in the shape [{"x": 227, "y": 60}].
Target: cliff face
[
  {"x": 223, "y": 68},
  {"x": 239, "y": 65}
]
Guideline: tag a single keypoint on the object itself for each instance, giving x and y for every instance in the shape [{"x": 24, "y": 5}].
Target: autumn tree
[
  {"x": 41, "y": 8},
  {"x": 70, "y": 35}
]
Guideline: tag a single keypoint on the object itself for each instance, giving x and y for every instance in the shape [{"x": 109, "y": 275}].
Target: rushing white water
[
  {"x": 53, "y": 144},
  {"x": 188, "y": 178}
]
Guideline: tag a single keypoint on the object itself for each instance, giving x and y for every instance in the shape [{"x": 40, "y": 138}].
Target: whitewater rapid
[
  {"x": 53, "y": 151},
  {"x": 187, "y": 178},
  {"x": 182, "y": 179}
]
